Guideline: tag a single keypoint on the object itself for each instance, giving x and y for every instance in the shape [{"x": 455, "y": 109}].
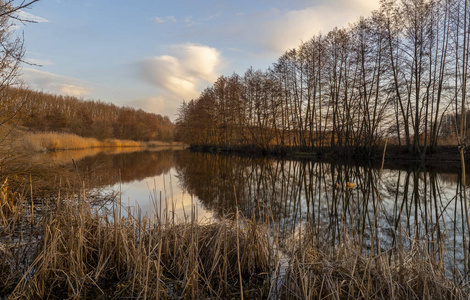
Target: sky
[{"x": 154, "y": 54}]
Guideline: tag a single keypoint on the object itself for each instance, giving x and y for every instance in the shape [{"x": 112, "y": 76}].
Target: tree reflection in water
[{"x": 406, "y": 206}]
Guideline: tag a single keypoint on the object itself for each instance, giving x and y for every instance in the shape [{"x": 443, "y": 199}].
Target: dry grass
[
  {"x": 52, "y": 141},
  {"x": 115, "y": 143},
  {"x": 316, "y": 272},
  {"x": 8, "y": 200},
  {"x": 83, "y": 253},
  {"x": 73, "y": 250}
]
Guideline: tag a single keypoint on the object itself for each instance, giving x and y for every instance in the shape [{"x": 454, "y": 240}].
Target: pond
[{"x": 380, "y": 210}]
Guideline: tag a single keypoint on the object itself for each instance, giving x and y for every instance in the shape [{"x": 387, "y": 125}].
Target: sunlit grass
[
  {"x": 121, "y": 143},
  {"x": 52, "y": 141}
]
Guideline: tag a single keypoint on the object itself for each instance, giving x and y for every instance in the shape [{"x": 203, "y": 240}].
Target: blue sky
[{"x": 155, "y": 54}]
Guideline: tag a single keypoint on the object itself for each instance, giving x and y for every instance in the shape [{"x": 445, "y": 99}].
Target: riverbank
[
  {"x": 73, "y": 250},
  {"x": 50, "y": 160},
  {"x": 19, "y": 139},
  {"x": 52, "y": 141},
  {"x": 441, "y": 157}
]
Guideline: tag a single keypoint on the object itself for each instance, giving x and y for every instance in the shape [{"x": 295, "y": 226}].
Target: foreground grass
[
  {"x": 71, "y": 249},
  {"x": 82, "y": 253}
]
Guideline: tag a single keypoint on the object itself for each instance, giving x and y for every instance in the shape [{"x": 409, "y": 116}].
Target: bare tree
[
  {"x": 397, "y": 73},
  {"x": 11, "y": 54},
  {"x": 10, "y": 8}
]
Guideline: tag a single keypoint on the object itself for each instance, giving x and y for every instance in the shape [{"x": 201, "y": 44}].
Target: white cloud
[
  {"x": 159, "y": 105},
  {"x": 186, "y": 72},
  {"x": 179, "y": 76},
  {"x": 200, "y": 61},
  {"x": 169, "y": 19},
  {"x": 277, "y": 31},
  {"x": 25, "y": 16},
  {"x": 158, "y": 20},
  {"x": 74, "y": 90},
  {"x": 56, "y": 84},
  {"x": 188, "y": 20}
]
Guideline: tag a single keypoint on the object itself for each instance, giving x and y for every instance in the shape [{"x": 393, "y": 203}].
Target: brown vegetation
[
  {"x": 25, "y": 142},
  {"x": 316, "y": 272},
  {"x": 39, "y": 111},
  {"x": 73, "y": 250},
  {"x": 52, "y": 141}
]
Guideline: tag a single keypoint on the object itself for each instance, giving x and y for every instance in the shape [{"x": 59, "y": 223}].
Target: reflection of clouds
[
  {"x": 54, "y": 83},
  {"x": 143, "y": 198}
]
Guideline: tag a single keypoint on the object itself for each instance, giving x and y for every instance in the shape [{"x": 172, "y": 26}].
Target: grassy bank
[
  {"x": 70, "y": 249},
  {"x": 27, "y": 157},
  {"x": 52, "y": 141},
  {"x": 17, "y": 139}
]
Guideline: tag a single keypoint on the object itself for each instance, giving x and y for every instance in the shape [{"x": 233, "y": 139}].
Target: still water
[{"x": 393, "y": 208}]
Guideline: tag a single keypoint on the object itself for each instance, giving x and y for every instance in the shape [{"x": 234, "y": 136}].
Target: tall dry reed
[
  {"x": 71, "y": 249},
  {"x": 344, "y": 272},
  {"x": 83, "y": 253}
]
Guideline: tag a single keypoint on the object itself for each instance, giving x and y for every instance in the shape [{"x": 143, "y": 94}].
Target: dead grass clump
[
  {"x": 52, "y": 141},
  {"x": 17, "y": 237},
  {"x": 115, "y": 143},
  {"x": 209, "y": 257},
  {"x": 28, "y": 142},
  {"x": 158, "y": 144},
  {"x": 86, "y": 254},
  {"x": 346, "y": 273},
  {"x": 7, "y": 200}
]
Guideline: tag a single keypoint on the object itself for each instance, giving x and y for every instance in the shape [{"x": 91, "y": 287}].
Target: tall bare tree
[{"x": 11, "y": 54}]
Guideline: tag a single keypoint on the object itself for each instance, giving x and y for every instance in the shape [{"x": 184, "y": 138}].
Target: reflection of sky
[{"x": 161, "y": 196}]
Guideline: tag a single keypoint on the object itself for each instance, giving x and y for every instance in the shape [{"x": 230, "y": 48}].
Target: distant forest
[
  {"x": 40, "y": 111},
  {"x": 401, "y": 75}
]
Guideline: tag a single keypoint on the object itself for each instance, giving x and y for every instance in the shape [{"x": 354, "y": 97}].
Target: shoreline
[
  {"x": 23, "y": 141},
  {"x": 442, "y": 158}
]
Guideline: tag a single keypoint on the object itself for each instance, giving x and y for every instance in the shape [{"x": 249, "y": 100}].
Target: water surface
[{"x": 380, "y": 210}]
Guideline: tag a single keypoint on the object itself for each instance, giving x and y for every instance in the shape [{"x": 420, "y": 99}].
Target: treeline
[
  {"x": 397, "y": 75},
  {"x": 46, "y": 112}
]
